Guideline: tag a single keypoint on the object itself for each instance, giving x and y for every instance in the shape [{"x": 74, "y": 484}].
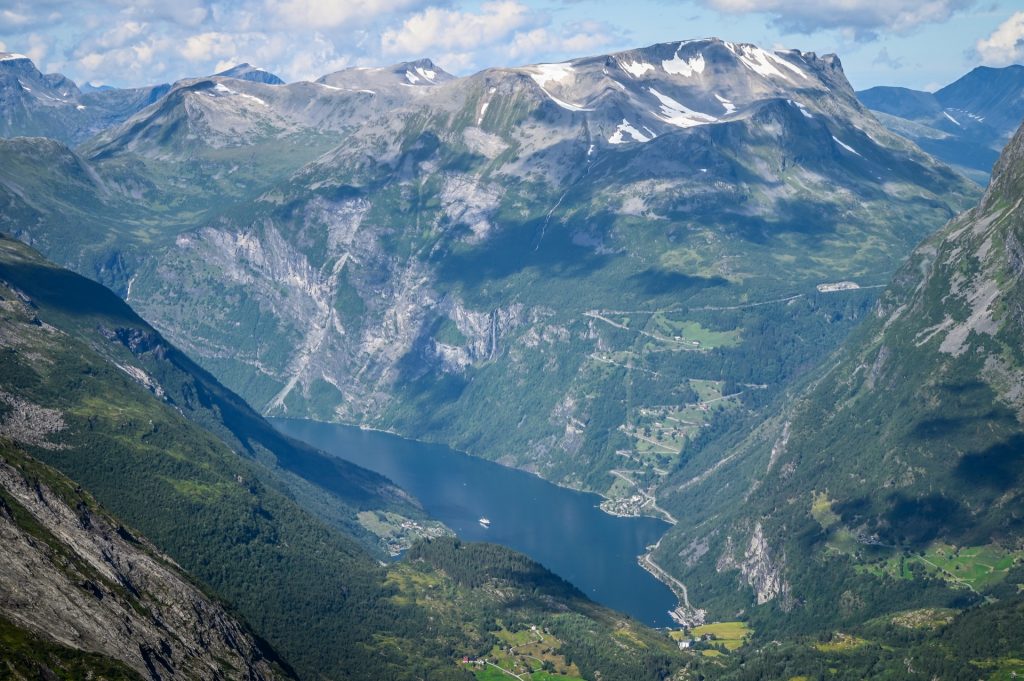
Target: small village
[{"x": 397, "y": 533}]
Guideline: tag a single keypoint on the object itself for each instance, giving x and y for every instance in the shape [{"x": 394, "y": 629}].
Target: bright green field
[
  {"x": 691, "y": 334},
  {"x": 732, "y": 635},
  {"x": 531, "y": 649}
]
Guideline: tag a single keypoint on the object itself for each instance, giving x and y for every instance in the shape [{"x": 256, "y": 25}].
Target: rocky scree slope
[{"x": 77, "y": 577}]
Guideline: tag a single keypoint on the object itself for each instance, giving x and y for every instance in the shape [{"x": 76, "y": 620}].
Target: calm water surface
[{"x": 562, "y": 529}]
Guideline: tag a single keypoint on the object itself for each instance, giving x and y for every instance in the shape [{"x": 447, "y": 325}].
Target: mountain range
[
  {"x": 706, "y": 280},
  {"x": 51, "y": 105},
  {"x": 965, "y": 124},
  {"x": 397, "y": 247}
]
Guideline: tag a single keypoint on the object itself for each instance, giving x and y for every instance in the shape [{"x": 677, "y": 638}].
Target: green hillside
[{"x": 893, "y": 479}]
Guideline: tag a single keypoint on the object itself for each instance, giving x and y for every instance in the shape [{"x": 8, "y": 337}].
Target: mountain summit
[
  {"x": 400, "y": 234},
  {"x": 51, "y": 105},
  {"x": 421, "y": 73},
  {"x": 246, "y": 71}
]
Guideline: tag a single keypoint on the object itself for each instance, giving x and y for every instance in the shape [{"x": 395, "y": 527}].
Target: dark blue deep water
[{"x": 562, "y": 529}]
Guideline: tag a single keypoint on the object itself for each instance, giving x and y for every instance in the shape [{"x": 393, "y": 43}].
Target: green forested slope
[
  {"x": 81, "y": 593},
  {"x": 893, "y": 480}
]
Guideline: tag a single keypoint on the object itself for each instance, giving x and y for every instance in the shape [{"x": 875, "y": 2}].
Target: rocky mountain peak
[
  {"x": 635, "y": 96},
  {"x": 8, "y": 57},
  {"x": 246, "y": 71}
]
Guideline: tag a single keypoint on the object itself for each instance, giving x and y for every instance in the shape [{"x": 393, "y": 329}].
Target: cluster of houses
[{"x": 686, "y": 643}]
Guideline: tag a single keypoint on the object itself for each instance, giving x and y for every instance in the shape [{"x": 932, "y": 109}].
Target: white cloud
[
  {"x": 576, "y": 41},
  {"x": 883, "y": 58},
  {"x": 119, "y": 36},
  {"x": 12, "y": 19},
  {"x": 864, "y": 18},
  {"x": 1006, "y": 44},
  {"x": 501, "y": 32},
  {"x": 137, "y": 42},
  {"x": 442, "y": 29},
  {"x": 208, "y": 46},
  {"x": 38, "y": 47},
  {"x": 318, "y": 57},
  {"x": 321, "y": 14},
  {"x": 137, "y": 60},
  {"x": 185, "y": 13}
]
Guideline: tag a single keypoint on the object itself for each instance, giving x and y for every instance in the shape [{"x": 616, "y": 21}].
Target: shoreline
[{"x": 684, "y": 614}]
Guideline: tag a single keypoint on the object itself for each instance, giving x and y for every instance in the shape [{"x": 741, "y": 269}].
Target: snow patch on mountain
[
  {"x": 418, "y": 73},
  {"x": 225, "y": 90},
  {"x": 845, "y": 146},
  {"x": 764, "y": 62},
  {"x": 729, "y": 106},
  {"x": 545, "y": 73},
  {"x": 542, "y": 74},
  {"x": 803, "y": 109},
  {"x": 674, "y": 113},
  {"x": 684, "y": 67},
  {"x": 568, "y": 106},
  {"x": 625, "y": 128},
  {"x": 636, "y": 69}
]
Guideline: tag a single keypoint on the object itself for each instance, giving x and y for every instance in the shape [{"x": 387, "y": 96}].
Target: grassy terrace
[{"x": 971, "y": 567}]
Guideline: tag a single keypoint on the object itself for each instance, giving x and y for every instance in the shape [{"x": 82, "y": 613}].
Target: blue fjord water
[{"x": 562, "y": 529}]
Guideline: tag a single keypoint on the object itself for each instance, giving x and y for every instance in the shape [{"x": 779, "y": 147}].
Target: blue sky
[{"x": 915, "y": 43}]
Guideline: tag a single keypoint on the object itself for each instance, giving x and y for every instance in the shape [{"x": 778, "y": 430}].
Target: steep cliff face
[
  {"x": 763, "y": 573},
  {"x": 75, "y": 576}
]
